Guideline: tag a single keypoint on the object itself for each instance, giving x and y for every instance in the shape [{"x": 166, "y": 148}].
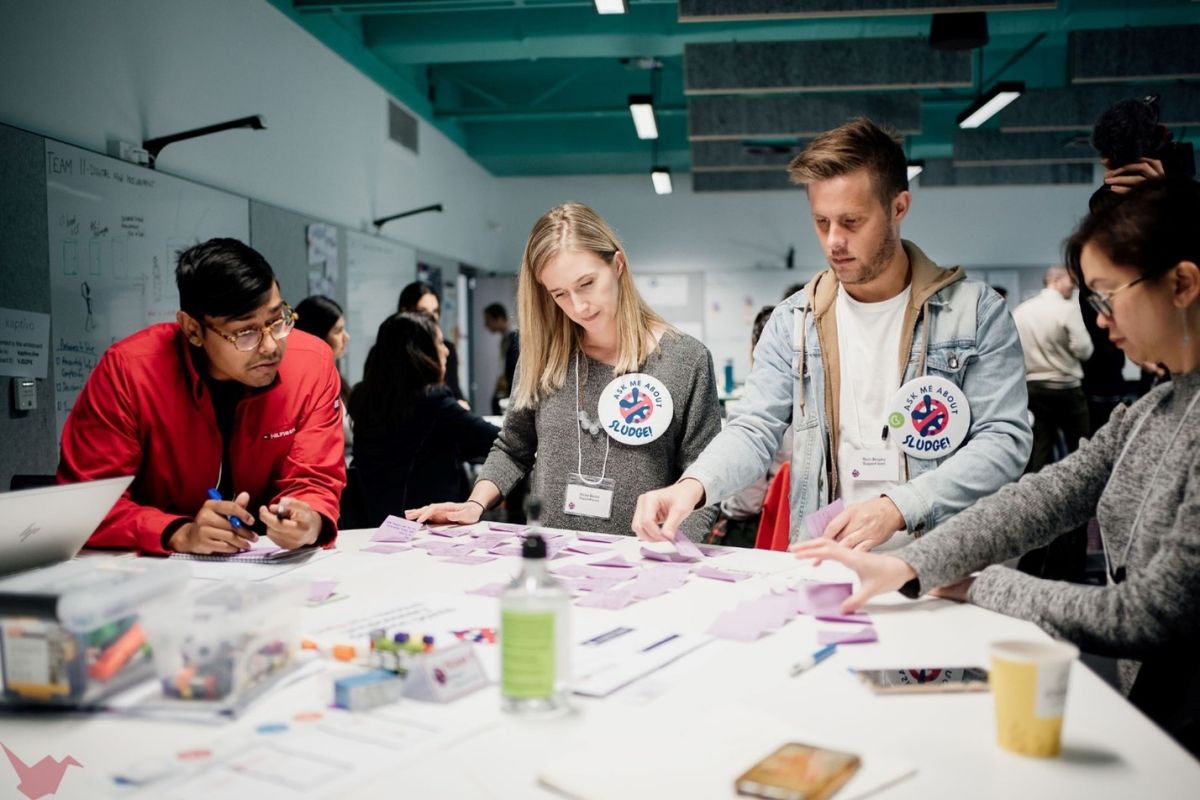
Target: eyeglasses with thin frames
[
  {"x": 1102, "y": 301},
  {"x": 249, "y": 340}
]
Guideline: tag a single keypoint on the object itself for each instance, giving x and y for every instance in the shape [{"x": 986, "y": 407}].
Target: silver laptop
[{"x": 48, "y": 525}]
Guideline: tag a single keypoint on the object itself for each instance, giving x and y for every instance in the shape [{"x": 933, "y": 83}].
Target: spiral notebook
[{"x": 263, "y": 551}]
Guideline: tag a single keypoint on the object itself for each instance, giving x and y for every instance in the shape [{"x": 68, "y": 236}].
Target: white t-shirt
[{"x": 869, "y": 337}]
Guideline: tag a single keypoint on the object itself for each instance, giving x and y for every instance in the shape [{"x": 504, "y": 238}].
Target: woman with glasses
[
  {"x": 1139, "y": 261},
  {"x": 410, "y": 433},
  {"x": 223, "y": 402}
]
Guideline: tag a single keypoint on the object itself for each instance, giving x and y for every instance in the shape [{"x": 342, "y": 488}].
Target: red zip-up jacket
[{"x": 146, "y": 412}]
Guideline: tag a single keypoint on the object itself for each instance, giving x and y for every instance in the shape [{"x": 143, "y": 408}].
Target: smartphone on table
[
  {"x": 902, "y": 680},
  {"x": 798, "y": 772}
]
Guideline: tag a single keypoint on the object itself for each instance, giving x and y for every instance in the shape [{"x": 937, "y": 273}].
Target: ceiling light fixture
[
  {"x": 611, "y": 6},
  {"x": 915, "y": 168},
  {"x": 661, "y": 178},
  {"x": 641, "y": 107},
  {"x": 989, "y": 104}
]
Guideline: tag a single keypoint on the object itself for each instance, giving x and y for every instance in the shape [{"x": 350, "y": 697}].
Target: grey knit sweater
[
  {"x": 547, "y": 435},
  {"x": 1157, "y": 606}
]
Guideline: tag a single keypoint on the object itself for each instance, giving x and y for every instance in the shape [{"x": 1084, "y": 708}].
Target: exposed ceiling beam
[
  {"x": 737, "y": 117},
  {"x": 739, "y": 157},
  {"x": 1135, "y": 54},
  {"x": 1078, "y": 108},
  {"x": 994, "y": 148},
  {"x": 734, "y": 10},
  {"x": 940, "y": 172}
]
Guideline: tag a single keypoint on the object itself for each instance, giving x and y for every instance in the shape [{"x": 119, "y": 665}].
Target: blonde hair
[
  {"x": 548, "y": 336},
  {"x": 857, "y": 144}
]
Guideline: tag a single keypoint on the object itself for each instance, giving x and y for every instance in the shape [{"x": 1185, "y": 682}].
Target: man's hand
[
  {"x": 1122, "y": 179},
  {"x": 877, "y": 573},
  {"x": 291, "y": 523},
  {"x": 211, "y": 531},
  {"x": 659, "y": 513},
  {"x": 865, "y": 525}
]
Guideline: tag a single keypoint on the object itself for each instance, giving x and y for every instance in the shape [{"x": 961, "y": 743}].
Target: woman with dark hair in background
[
  {"x": 419, "y": 296},
  {"x": 411, "y": 435},
  {"x": 323, "y": 318}
]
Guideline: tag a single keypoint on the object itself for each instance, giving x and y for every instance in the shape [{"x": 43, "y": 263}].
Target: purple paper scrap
[
  {"x": 825, "y": 599},
  {"x": 714, "y": 551},
  {"x": 605, "y": 538},
  {"x": 734, "y": 627},
  {"x": 505, "y": 550},
  {"x": 664, "y": 556},
  {"x": 386, "y": 549},
  {"x": 506, "y": 527},
  {"x": 720, "y": 574},
  {"x": 860, "y": 619},
  {"x": 490, "y": 589},
  {"x": 864, "y": 635},
  {"x": 587, "y": 549},
  {"x": 616, "y": 561},
  {"x": 611, "y": 599},
  {"x": 817, "y": 521},
  {"x": 686, "y": 547},
  {"x": 452, "y": 532},
  {"x": 469, "y": 561},
  {"x": 319, "y": 591}
]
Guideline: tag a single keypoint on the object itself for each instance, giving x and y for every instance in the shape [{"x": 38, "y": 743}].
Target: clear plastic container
[
  {"x": 72, "y": 634},
  {"x": 225, "y": 642}
]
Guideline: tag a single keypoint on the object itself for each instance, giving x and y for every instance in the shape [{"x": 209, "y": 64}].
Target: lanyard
[
  {"x": 579, "y": 437},
  {"x": 1118, "y": 575}
]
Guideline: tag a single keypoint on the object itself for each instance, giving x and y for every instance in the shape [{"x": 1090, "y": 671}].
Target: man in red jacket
[{"x": 209, "y": 404}]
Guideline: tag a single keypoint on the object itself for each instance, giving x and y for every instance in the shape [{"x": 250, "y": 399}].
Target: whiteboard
[
  {"x": 376, "y": 270},
  {"x": 732, "y": 300},
  {"x": 114, "y": 232}
]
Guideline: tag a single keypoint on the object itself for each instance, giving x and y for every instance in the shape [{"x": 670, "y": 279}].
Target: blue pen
[
  {"x": 213, "y": 494},
  {"x": 816, "y": 658}
]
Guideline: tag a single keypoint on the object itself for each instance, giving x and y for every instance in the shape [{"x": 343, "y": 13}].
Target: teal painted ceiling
[{"x": 539, "y": 87}]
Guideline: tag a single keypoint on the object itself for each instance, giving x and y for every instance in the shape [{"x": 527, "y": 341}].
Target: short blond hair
[
  {"x": 548, "y": 336},
  {"x": 858, "y": 144}
]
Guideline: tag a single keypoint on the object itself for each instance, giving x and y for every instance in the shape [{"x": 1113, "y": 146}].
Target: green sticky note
[{"x": 527, "y": 654}]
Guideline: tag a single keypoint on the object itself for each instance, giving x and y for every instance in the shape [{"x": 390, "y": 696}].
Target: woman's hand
[
  {"x": 1122, "y": 179},
  {"x": 955, "y": 591},
  {"x": 877, "y": 574},
  {"x": 467, "y": 513}
]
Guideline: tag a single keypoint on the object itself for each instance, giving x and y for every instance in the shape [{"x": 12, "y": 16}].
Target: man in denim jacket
[{"x": 934, "y": 322}]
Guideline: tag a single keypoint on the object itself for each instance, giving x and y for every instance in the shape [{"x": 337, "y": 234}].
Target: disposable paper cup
[{"x": 1029, "y": 682}]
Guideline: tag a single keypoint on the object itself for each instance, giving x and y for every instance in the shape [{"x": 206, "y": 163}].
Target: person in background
[
  {"x": 615, "y": 400},
  {"x": 495, "y": 319},
  {"x": 411, "y": 435},
  {"x": 737, "y": 520},
  {"x": 1056, "y": 343},
  {"x": 419, "y": 296},
  {"x": 902, "y": 379},
  {"x": 791, "y": 290},
  {"x": 322, "y": 317},
  {"x": 228, "y": 398},
  {"x": 1139, "y": 263},
  {"x": 1000, "y": 290}
]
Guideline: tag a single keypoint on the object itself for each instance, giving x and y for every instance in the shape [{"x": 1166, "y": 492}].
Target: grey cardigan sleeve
[
  {"x": 702, "y": 423},
  {"x": 514, "y": 450},
  {"x": 1020, "y": 517},
  {"x": 1154, "y": 605}
]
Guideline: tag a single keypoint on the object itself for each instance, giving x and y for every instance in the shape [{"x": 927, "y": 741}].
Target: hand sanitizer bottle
[{"x": 535, "y": 635}]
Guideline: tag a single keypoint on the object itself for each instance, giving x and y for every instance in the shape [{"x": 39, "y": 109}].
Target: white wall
[
  {"x": 86, "y": 71},
  {"x": 685, "y": 232}
]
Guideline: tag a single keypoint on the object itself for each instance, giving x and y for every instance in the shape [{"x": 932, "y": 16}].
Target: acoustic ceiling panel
[
  {"x": 822, "y": 66},
  {"x": 749, "y": 181},
  {"x": 1135, "y": 54},
  {"x": 995, "y": 148},
  {"x": 736, "y": 156},
  {"x": 1078, "y": 109},
  {"x": 739, "y": 117},
  {"x": 729, "y": 10},
  {"x": 941, "y": 172}
]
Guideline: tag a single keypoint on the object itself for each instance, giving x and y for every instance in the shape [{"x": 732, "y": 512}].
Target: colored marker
[
  {"x": 213, "y": 494},
  {"x": 816, "y": 658}
]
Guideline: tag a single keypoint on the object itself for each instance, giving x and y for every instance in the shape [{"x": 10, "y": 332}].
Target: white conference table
[{"x": 1110, "y": 749}]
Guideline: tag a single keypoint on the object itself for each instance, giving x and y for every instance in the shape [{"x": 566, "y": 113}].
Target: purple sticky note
[
  {"x": 386, "y": 549},
  {"x": 451, "y": 532},
  {"x": 826, "y": 598},
  {"x": 506, "y": 550},
  {"x": 602, "y": 583},
  {"x": 770, "y": 612},
  {"x": 490, "y": 589},
  {"x": 611, "y": 599},
  {"x": 817, "y": 521},
  {"x": 486, "y": 541},
  {"x": 605, "y": 538},
  {"x": 686, "y": 547},
  {"x": 319, "y": 591},
  {"x": 570, "y": 571},
  {"x": 506, "y": 527},
  {"x": 469, "y": 561},
  {"x": 615, "y": 561},
  {"x": 587, "y": 549},
  {"x": 396, "y": 529},
  {"x": 714, "y": 551},
  {"x": 720, "y": 574},
  {"x": 859, "y": 619},
  {"x": 734, "y": 627},
  {"x": 863, "y": 635},
  {"x": 666, "y": 556}
]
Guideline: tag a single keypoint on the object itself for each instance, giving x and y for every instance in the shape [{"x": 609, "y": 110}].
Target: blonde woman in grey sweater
[
  {"x": 1139, "y": 262},
  {"x": 608, "y": 402}
]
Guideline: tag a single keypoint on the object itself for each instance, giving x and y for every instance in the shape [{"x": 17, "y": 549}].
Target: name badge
[
  {"x": 588, "y": 496},
  {"x": 873, "y": 465}
]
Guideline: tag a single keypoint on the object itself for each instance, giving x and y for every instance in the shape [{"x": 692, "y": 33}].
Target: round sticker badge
[
  {"x": 930, "y": 417},
  {"x": 635, "y": 408}
]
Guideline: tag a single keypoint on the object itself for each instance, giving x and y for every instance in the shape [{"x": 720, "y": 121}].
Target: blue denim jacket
[{"x": 956, "y": 328}]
